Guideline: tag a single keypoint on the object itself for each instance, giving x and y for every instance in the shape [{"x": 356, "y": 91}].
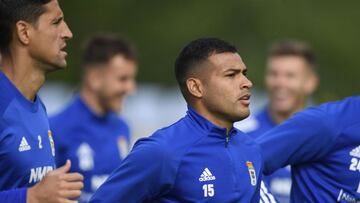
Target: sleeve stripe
[{"x": 265, "y": 196}]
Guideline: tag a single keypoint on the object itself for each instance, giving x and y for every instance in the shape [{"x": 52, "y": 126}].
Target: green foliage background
[{"x": 160, "y": 29}]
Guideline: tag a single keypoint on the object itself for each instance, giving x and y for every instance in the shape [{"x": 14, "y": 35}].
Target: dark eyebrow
[
  {"x": 232, "y": 71},
  {"x": 236, "y": 70},
  {"x": 58, "y": 19}
]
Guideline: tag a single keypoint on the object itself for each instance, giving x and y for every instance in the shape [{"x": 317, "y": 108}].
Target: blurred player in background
[
  {"x": 200, "y": 158},
  {"x": 290, "y": 79},
  {"x": 89, "y": 130},
  {"x": 33, "y": 36}
]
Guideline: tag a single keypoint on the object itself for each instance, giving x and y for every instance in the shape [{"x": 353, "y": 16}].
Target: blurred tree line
[{"x": 161, "y": 28}]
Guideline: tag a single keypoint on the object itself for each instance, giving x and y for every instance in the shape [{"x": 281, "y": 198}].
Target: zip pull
[{"x": 227, "y": 139}]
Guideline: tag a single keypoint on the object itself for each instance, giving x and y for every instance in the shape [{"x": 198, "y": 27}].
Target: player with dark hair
[
  {"x": 33, "y": 36},
  {"x": 88, "y": 131},
  {"x": 290, "y": 79},
  {"x": 200, "y": 158}
]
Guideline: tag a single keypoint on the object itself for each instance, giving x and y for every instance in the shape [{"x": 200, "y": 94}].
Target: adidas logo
[
  {"x": 24, "y": 146},
  {"x": 355, "y": 152},
  {"x": 206, "y": 175}
]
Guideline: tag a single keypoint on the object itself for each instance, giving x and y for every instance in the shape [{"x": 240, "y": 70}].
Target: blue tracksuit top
[
  {"x": 94, "y": 144},
  {"x": 190, "y": 161},
  {"x": 323, "y": 146},
  {"x": 26, "y": 146},
  {"x": 280, "y": 181}
]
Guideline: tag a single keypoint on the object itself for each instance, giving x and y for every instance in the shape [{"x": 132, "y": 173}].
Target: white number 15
[{"x": 209, "y": 190}]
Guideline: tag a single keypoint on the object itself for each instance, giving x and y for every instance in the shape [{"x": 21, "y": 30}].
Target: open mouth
[
  {"x": 245, "y": 99},
  {"x": 62, "y": 50}
]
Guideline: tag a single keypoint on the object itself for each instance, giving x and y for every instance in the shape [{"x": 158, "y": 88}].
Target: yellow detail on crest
[
  {"x": 249, "y": 164},
  {"x": 252, "y": 172},
  {"x": 51, "y": 142}
]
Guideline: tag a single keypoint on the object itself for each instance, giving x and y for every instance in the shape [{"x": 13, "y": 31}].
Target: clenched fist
[{"x": 58, "y": 186}]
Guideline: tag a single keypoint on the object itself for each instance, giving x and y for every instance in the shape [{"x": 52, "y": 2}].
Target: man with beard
[
  {"x": 202, "y": 157},
  {"x": 33, "y": 36},
  {"x": 89, "y": 131}
]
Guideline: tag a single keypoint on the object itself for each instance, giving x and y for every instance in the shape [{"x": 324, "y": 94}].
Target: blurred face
[
  {"x": 115, "y": 81},
  {"x": 226, "y": 89},
  {"x": 48, "y": 38},
  {"x": 289, "y": 81}
]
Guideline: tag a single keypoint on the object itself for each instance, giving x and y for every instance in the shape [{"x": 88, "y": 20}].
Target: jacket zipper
[
  {"x": 234, "y": 174},
  {"x": 227, "y": 139}
]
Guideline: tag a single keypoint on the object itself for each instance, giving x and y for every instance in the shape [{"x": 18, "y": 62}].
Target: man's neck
[
  {"x": 24, "y": 74},
  {"x": 92, "y": 101},
  {"x": 200, "y": 109}
]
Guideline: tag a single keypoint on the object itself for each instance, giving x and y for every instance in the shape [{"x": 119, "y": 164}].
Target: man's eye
[
  {"x": 57, "y": 21},
  {"x": 230, "y": 75}
]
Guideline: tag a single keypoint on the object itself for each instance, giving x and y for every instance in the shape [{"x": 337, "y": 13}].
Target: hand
[{"x": 58, "y": 186}]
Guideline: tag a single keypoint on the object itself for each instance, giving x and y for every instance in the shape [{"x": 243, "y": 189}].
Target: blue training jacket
[
  {"x": 279, "y": 182},
  {"x": 190, "y": 161},
  {"x": 26, "y": 146},
  {"x": 323, "y": 146},
  {"x": 94, "y": 144}
]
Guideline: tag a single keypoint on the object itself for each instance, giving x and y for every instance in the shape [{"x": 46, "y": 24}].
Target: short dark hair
[
  {"x": 11, "y": 11},
  {"x": 293, "y": 48},
  {"x": 194, "y": 54},
  {"x": 100, "y": 48}
]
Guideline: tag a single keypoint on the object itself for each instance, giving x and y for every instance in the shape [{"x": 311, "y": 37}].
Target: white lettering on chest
[{"x": 37, "y": 174}]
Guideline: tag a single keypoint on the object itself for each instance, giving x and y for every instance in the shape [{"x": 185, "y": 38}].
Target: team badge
[
  {"x": 51, "y": 143},
  {"x": 252, "y": 172}
]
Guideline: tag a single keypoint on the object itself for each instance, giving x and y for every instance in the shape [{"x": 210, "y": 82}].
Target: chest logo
[
  {"x": 206, "y": 176},
  {"x": 85, "y": 156},
  {"x": 355, "y": 159},
  {"x": 24, "y": 145},
  {"x": 252, "y": 172},
  {"x": 51, "y": 143},
  {"x": 355, "y": 152}
]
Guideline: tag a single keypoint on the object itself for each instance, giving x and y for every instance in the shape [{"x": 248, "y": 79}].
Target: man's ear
[
  {"x": 312, "y": 83},
  {"x": 93, "y": 78},
  {"x": 195, "y": 87},
  {"x": 23, "y": 32}
]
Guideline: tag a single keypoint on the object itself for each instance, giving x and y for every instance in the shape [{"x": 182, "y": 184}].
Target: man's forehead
[
  {"x": 288, "y": 63},
  {"x": 53, "y": 9},
  {"x": 227, "y": 60}
]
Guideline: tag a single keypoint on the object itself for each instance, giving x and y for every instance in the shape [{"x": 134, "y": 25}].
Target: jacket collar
[{"x": 207, "y": 126}]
